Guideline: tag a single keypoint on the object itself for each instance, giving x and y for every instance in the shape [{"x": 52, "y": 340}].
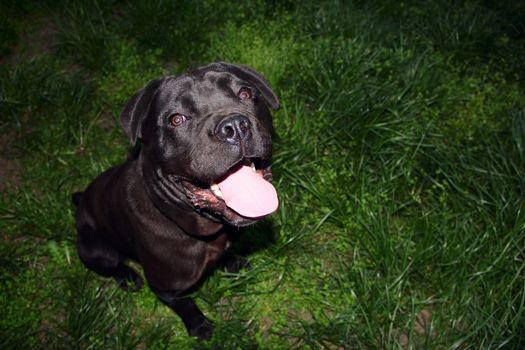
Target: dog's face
[{"x": 200, "y": 127}]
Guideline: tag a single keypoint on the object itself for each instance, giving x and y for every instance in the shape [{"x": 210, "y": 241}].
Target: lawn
[{"x": 398, "y": 158}]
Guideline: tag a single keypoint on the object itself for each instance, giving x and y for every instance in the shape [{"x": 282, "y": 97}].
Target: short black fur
[{"x": 155, "y": 208}]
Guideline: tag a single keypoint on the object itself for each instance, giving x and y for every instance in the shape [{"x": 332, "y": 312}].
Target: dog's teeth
[
  {"x": 253, "y": 167},
  {"x": 216, "y": 190}
]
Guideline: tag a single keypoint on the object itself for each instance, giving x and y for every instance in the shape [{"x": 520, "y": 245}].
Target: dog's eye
[
  {"x": 177, "y": 119},
  {"x": 245, "y": 93}
]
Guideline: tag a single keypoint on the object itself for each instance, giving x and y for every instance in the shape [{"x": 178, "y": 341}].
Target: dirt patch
[
  {"x": 106, "y": 120},
  {"x": 9, "y": 174},
  {"x": 9, "y": 168},
  {"x": 422, "y": 328},
  {"x": 38, "y": 39}
]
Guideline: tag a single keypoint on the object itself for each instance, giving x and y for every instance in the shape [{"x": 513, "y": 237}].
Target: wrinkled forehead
[{"x": 202, "y": 90}]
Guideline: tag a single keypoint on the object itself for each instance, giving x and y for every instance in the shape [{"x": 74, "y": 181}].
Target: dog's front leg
[{"x": 196, "y": 323}]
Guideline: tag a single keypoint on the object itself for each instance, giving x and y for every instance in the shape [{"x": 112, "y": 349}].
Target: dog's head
[{"x": 202, "y": 131}]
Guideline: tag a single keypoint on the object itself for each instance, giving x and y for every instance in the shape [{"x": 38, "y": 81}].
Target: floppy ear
[
  {"x": 255, "y": 78},
  {"x": 137, "y": 109}
]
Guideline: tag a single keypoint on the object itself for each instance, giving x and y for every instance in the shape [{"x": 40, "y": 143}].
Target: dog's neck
[{"x": 167, "y": 196}]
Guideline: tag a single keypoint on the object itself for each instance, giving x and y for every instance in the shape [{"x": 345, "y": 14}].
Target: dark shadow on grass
[{"x": 255, "y": 238}]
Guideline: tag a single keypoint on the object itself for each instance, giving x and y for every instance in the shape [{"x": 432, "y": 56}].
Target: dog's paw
[
  {"x": 234, "y": 263},
  {"x": 128, "y": 279},
  {"x": 203, "y": 331}
]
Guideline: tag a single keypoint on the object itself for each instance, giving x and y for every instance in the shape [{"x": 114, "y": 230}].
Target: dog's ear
[
  {"x": 137, "y": 109},
  {"x": 252, "y": 76}
]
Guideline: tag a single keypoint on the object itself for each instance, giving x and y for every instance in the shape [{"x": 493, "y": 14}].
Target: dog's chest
[{"x": 215, "y": 249}]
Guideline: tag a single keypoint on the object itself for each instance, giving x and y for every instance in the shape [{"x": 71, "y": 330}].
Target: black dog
[{"x": 201, "y": 172}]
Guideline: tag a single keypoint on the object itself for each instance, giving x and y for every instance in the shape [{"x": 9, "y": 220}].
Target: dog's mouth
[{"x": 244, "y": 192}]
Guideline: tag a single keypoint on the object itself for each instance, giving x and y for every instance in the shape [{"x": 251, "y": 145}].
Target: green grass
[{"x": 399, "y": 162}]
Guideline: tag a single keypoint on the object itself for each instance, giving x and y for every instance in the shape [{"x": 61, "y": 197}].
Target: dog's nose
[{"x": 233, "y": 129}]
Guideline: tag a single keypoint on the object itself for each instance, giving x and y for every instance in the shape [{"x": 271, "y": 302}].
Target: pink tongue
[{"x": 248, "y": 193}]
